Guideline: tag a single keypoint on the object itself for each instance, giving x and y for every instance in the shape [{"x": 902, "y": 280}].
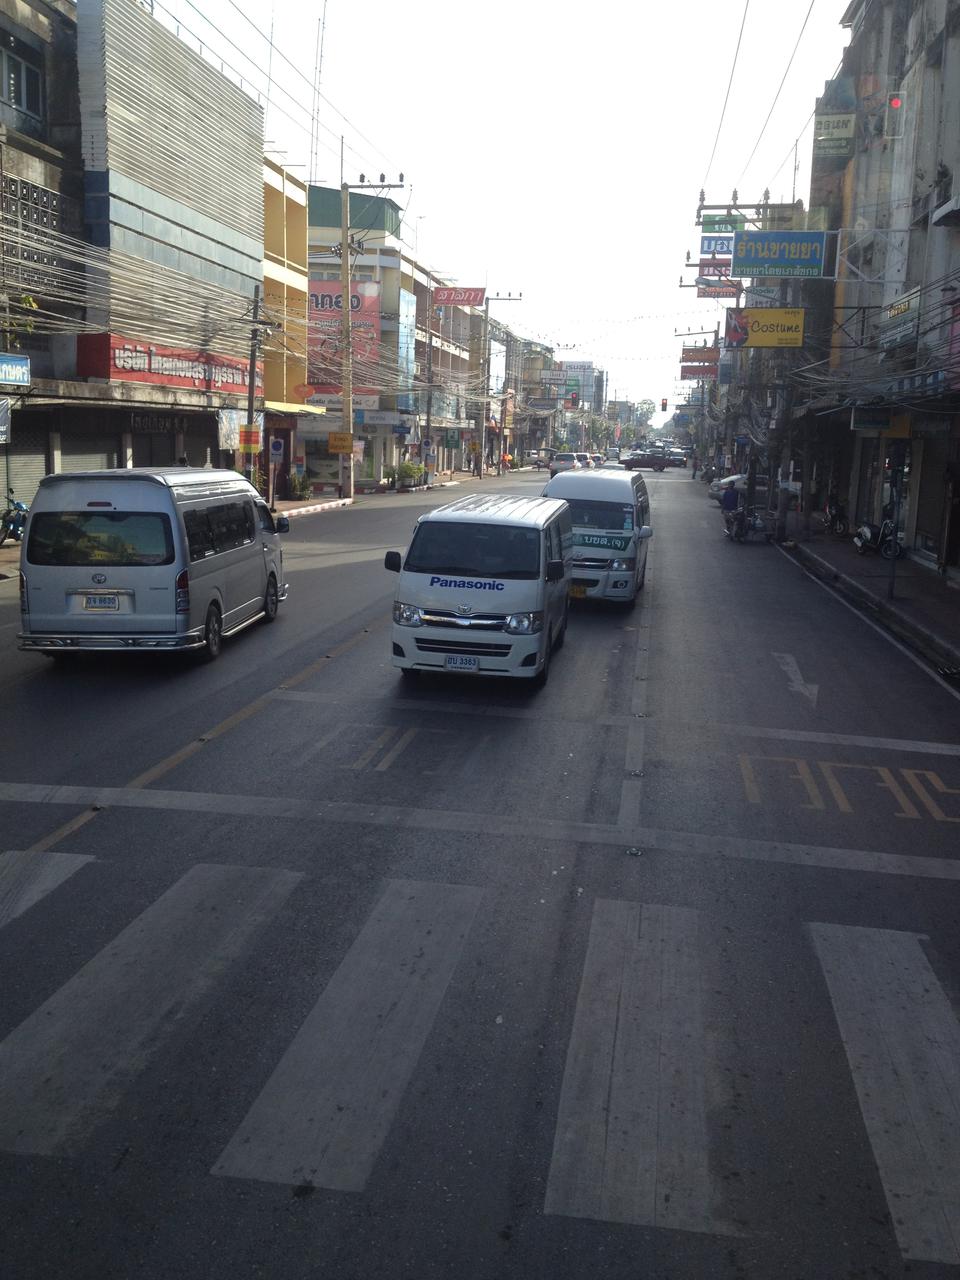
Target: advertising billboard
[
  {"x": 764, "y": 327},
  {"x": 324, "y": 320}
]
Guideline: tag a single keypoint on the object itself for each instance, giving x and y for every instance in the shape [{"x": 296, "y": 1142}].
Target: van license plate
[
  {"x": 458, "y": 662},
  {"x": 101, "y": 602}
]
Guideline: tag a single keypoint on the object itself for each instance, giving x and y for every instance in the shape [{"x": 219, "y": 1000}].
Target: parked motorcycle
[
  {"x": 879, "y": 537},
  {"x": 740, "y": 524},
  {"x": 834, "y": 517},
  {"x": 13, "y": 520}
]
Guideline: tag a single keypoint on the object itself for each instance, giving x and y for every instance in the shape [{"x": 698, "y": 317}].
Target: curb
[
  {"x": 932, "y": 646},
  {"x": 317, "y": 506}
]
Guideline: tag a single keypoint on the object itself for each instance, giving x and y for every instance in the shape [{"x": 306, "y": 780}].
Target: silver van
[
  {"x": 483, "y": 588},
  {"x": 610, "y": 511},
  {"x": 141, "y": 559}
]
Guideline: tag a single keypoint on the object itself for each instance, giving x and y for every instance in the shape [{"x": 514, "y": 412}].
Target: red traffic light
[
  {"x": 894, "y": 102},
  {"x": 663, "y": 406}
]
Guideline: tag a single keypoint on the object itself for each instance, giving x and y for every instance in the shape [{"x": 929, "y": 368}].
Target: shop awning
[{"x": 296, "y": 410}]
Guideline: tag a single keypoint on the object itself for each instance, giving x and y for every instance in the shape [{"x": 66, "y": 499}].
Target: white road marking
[
  {"x": 903, "y": 1044},
  {"x": 904, "y": 745},
  {"x": 66, "y": 1065},
  {"x": 631, "y": 1137},
  {"x": 795, "y": 681},
  {"x": 324, "y": 1113},
  {"x": 25, "y": 878},
  {"x": 411, "y": 818},
  {"x": 631, "y": 789}
]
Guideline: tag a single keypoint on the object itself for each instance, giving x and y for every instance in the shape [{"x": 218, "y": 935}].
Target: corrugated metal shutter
[
  {"x": 153, "y": 449},
  {"x": 27, "y": 456},
  {"x": 89, "y": 453}
]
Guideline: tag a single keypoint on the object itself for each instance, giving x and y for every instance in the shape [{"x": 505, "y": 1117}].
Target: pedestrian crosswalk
[{"x": 630, "y": 1131}]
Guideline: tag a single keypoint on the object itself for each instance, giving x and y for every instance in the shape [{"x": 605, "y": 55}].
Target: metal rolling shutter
[
  {"x": 27, "y": 459},
  {"x": 89, "y": 453}
]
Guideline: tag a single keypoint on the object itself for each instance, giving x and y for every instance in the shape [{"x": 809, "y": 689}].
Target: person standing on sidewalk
[{"x": 696, "y": 467}]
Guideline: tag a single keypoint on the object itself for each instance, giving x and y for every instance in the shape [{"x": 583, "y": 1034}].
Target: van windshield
[
  {"x": 83, "y": 538},
  {"x": 588, "y": 514},
  {"x": 475, "y": 550}
]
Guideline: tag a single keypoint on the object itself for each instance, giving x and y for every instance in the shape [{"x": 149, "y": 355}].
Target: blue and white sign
[
  {"x": 276, "y": 448},
  {"x": 722, "y": 246},
  {"x": 4, "y": 421},
  {"x": 14, "y": 371},
  {"x": 778, "y": 254}
]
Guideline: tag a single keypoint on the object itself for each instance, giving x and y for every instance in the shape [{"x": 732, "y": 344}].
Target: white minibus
[
  {"x": 483, "y": 588},
  {"x": 610, "y": 513},
  {"x": 142, "y": 559}
]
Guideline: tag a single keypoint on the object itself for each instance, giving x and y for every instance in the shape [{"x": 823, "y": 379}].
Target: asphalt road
[{"x": 306, "y": 973}]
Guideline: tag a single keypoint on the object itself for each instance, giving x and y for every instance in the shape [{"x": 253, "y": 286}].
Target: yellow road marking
[{"x": 225, "y": 726}]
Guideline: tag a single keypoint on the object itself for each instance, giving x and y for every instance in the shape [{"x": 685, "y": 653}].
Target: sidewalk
[{"x": 925, "y": 610}]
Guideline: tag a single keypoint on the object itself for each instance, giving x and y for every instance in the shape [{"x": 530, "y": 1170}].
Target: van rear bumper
[{"x": 118, "y": 642}]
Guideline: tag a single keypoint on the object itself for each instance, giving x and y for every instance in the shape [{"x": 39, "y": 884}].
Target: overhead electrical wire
[
  {"x": 776, "y": 98},
  {"x": 733, "y": 68}
]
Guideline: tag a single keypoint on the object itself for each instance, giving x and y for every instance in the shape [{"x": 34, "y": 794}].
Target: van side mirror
[
  {"x": 283, "y": 524},
  {"x": 391, "y": 561},
  {"x": 644, "y": 531},
  {"x": 554, "y": 570}
]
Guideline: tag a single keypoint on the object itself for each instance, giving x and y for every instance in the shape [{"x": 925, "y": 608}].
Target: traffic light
[
  {"x": 663, "y": 405},
  {"x": 893, "y": 121},
  {"x": 574, "y": 399}
]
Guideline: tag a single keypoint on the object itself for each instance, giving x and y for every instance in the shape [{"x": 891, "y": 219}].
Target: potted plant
[
  {"x": 409, "y": 474},
  {"x": 390, "y": 476}
]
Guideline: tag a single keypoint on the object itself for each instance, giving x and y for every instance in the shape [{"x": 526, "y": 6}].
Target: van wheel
[
  {"x": 271, "y": 600},
  {"x": 212, "y": 635}
]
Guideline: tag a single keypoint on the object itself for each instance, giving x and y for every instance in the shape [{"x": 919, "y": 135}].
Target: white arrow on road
[{"x": 788, "y": 664}]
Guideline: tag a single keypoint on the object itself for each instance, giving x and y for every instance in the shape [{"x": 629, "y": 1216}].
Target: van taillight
[
  {"x": 183, "y": 592},
  {"x": 24, "y": 607}
]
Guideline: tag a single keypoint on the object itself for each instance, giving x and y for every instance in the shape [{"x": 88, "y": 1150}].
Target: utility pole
[
  {"x": 252, "y": 375},
  {"x": 346, "y": 358},
  {"x": 428, "y": 429},
  {"x": 346, "y": 343},
  {"x": 485, "y": 389}
]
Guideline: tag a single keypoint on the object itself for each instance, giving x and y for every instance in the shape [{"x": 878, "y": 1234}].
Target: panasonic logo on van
[{"x": 461, "y": 583}]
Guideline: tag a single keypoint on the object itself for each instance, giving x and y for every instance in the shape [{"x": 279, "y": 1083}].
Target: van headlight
[
  {"x": 523, "y": 624},
  {"x": 623, "y": 566},
  {"x": 407, "y": 615}
]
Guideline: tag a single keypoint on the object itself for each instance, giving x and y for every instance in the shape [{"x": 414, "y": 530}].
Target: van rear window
[{"x": 83, "y": 538}]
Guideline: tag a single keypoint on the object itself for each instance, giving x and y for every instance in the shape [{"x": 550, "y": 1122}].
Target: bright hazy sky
[{"x": 558, "y": 150}]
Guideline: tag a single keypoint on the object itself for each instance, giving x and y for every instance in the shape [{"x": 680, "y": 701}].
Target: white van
[
  {"x": 141, "y": 559},
  {"x": 610, "y": 512},
  {"x": 483, "y": 588}
]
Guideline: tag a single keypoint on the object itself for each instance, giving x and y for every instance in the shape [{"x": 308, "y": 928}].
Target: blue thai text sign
[
  {"x": 778, "y": 254},
  {"x": 14, "y": 371}
]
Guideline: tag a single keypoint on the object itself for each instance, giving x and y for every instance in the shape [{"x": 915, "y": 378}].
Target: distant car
[
  {"x": 584, "y": 460},
  {"x": 564, "y": 462},
  {"x": 653, "y": 458},
  {"x": 676, "y": 458},
  {"x": 597, "y": 459},
  {"x": 538, "y": 460},
  {"x": 613, "y": 455}
]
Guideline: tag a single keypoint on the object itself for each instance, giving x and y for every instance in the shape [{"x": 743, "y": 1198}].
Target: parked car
[
  {"x": 597, "y": 459},
  {"x": 537, "y": 459},
  {"x": 717, "y": 488},
  {"x": 585, "y": 461},
  {"x": 564, "y": 462}
]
